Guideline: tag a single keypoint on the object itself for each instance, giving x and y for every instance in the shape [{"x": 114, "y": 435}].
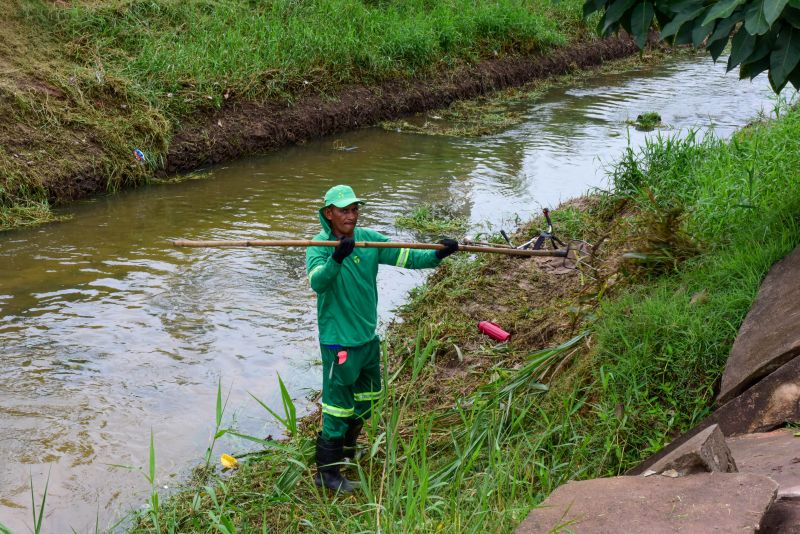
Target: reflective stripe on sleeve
[
  {"x": 336, "y": 411},
  {"x": 402, "y": 258}
]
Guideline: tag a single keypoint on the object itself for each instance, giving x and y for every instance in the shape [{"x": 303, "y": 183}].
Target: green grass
[
  {"x": 85, "y": 84},
  {"x": 189, "y": 55},
  {"x": 647, "y": 121},
  {"x": 434, "y": 219}
]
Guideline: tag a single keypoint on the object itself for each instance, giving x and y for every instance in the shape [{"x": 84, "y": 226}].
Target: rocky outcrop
[
  {"x": 761, "y": 392},
  {"x": 770, "y": 334},
  {"x": 771, "y": 403},
  {"x": 710, "y": 502},
  {"x": 706, "y": 452},
  {"x": 775, "y": 454}
]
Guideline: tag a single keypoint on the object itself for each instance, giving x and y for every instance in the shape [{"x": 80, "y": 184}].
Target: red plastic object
[
  {"x": 493, "y": 331},
  {"x": 342, "y": 356}
]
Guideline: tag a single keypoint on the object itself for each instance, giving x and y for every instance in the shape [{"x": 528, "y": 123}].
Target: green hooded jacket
[{"x": 347, "y": 293}]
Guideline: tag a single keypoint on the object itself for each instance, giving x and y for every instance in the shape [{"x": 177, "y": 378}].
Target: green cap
[{"x": 341, "y": 196}]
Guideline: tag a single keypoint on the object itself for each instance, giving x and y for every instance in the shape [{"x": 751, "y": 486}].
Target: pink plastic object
[
  {"x": 342, "y": 356},
  {"x": 493, "y": 331}
]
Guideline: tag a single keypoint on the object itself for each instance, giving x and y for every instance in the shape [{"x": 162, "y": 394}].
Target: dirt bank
[{"x": 243, "y": 128}]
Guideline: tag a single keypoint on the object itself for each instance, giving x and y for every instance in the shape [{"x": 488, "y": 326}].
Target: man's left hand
[{"x": 450, "y": 246}]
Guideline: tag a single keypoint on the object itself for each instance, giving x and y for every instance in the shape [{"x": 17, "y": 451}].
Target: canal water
[{"x": 108, "y": 333}]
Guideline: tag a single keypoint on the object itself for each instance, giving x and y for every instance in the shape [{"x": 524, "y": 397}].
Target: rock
[
  {"x": 771, "y": 403},
  {"x": 783, "y": 517},
  {"x": 770, "y": 334},
  {"x": 775, "y": 454},
  {"x": 708, "y": 502},
  {"x": 704, "y": 452}
]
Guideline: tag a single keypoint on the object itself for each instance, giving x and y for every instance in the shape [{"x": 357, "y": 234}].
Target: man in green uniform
[{"x": 347, "y": 299}]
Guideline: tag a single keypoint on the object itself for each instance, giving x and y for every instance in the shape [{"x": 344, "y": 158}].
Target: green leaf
[
  {"x": 590, "y": 6},
  {"x": 721, "y": 10},
  {"x": 742, "y": 47},
  {"x": 268, "y": 444},
  {"x": 288, "y": 408},
  {"x": 674, "y": 26},
  {"x": 682, "y": 6},
  {"x": 773, "y": 9},
  {"x": 754, "y": 68},
  {"x": 152, "y": 460},
  {"x": 219, "y": 403},
  {"x": 794, "y": 78},
  {"x": 784, "y": 59},
  {"x": 615, "y": 12},
  {"x": 700, "y": 32},
  {"x": 684, "y": 36},
  {"x": 272, "y": 412},
  {"x": 755, "y": 22},
  {"x": 641, "y": 18},
  {"x": 792, "y": 16},
  {"x": 716, "y": 48},
  {"x": 723, "y": 30}
]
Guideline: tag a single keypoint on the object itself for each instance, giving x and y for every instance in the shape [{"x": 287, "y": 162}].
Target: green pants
[{"x": 349, "y": 388}]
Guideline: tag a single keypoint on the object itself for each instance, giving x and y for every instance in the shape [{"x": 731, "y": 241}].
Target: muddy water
[{"x": 108, "y": 333}]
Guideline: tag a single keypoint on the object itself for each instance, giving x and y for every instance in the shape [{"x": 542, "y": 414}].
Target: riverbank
[
  {"x": 86, "y": 85},
  {"x": 605, "y": 366}
]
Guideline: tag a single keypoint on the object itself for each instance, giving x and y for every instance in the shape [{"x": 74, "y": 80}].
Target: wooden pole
[{"x": 367, "y": 244}]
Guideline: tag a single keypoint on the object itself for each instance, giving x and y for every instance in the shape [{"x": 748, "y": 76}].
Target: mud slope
[{"x": 240, "y": 129}]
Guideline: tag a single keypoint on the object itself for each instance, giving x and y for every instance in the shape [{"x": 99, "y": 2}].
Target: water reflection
[{"x": 108, "y": 332}]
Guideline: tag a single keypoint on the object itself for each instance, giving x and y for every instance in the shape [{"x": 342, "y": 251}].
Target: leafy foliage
[{"x": 764, "y": 34}]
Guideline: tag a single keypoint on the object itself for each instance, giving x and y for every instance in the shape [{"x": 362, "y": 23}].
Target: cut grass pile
[
  {"x": 501, "y": 110},
  {"x": 469, "y": 437},
  {"x": 84, "y": 84}
]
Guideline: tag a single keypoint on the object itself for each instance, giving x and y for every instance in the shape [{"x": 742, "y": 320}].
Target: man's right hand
[{"x": 343, "y": 249}]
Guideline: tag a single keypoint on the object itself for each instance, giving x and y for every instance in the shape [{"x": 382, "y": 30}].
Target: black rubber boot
[
  {"x": 330, "y": 452},
  {"x": 351, "y": 437}
]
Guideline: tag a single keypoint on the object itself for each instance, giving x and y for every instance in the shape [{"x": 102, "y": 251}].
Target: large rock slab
[
  {"x": 704, "y": 452},
  {"x": 783, "y": 517},
  {"x": 771, "y": 403},
  {"x": 775, "y": 454},
  {"x": 712, "y": 502},
  {"x": 770, "y": 334}
]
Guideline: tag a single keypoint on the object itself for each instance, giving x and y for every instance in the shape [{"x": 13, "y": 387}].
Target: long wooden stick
[{"x": 366, "y": 244}]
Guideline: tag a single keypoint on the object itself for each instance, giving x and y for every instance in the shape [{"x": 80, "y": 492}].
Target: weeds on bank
[
  {"x": 419, "y": 469},
  {"x": 435, "y": 219},
  {"x": 89, "y": 82},
  {"x": 188, "y": 55}
]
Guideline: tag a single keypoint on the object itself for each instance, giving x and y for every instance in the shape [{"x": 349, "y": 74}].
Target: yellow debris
[{"x": 228, "y": 461}]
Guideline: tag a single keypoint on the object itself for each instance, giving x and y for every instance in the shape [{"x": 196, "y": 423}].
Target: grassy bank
[
  {"x": 85, "y": 83},
  {"x": 603, "y": 369}
]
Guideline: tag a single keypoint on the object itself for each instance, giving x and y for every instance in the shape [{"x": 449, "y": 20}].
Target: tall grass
[
  {"x": 92, "y": 81},
  {"x": 665, "y": 349},
  {"x": 203, "y": 52}
]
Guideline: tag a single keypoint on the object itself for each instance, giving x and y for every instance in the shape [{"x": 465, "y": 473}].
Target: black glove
[
  {"x": 451, "y": 245},
  {"x": 343, "y": 249}
]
